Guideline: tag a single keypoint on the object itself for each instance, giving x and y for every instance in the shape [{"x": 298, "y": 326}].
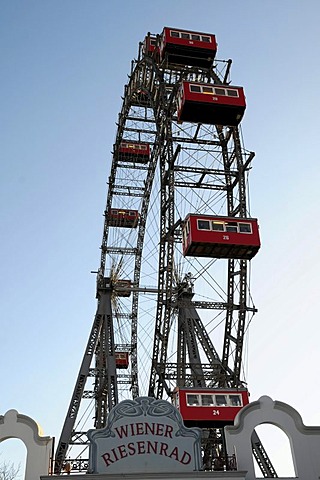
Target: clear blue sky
[{"x": 63, "y": 67}]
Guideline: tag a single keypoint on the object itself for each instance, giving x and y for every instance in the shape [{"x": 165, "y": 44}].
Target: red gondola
[
  {"x": 187, "y": 48},
  {"x": 122, "y": 359},
  {"x": 150, "y": 45},
  {"x": 134, "y": 152},
  {"x": 209, "y": 407},
  {"x": 119, "y": 217},
  {"x": 123, "y": 287},
  {"x": 220, "y": 237},
  {"x": 211, "y": 104}
]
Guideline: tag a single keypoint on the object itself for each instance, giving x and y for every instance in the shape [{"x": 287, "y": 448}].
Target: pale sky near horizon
[{"x": 63, "y": 67}]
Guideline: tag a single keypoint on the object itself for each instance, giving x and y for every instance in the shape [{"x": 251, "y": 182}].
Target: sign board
[{"x": 144, "y": 436}]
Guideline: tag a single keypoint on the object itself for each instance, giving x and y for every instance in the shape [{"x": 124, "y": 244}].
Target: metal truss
[{"x": 192, "y": 168}]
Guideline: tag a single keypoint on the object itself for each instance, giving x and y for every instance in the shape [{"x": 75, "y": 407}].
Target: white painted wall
[
  {"x": 39, "y": 448},
  {"x": 304, "y": 441}
]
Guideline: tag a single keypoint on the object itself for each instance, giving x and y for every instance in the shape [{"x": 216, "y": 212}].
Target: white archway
[
  {"x": 277, "y": 445},
  {"x": 304, "y": 441},
  {"x": 13, "y": 457},
  {"x": 39, "y": 448}
]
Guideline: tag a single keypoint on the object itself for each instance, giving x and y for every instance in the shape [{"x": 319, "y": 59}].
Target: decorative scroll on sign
[{"x": 144, "y": 435}]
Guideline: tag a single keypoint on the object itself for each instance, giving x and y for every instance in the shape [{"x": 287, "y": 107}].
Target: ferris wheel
[{"x": 173, "y": 285}]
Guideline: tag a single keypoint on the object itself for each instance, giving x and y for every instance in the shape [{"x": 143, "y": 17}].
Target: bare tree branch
[{"x": 8, "y": 471}]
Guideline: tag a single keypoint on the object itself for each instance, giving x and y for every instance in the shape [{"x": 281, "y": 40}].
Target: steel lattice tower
[{"x": 177, "y": 307}]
